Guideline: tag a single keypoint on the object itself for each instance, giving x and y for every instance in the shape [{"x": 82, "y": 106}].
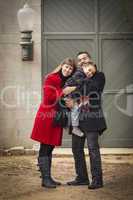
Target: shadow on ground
[{"x": 19, "y": 180}]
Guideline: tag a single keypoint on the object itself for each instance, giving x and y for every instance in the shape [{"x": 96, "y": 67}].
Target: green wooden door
[{"x": 104, "y": 29}]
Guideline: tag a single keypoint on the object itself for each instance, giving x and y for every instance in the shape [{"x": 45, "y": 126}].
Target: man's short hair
[{"x": 84, "y": 52}]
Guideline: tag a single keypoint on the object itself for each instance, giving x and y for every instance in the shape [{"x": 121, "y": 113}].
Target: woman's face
[{"x": 67, "y": 70}]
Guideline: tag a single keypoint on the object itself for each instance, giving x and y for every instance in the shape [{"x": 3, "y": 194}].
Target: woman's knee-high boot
[{"x": 45, "y": 169}]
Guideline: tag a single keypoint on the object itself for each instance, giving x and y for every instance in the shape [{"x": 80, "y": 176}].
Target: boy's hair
[
  {"x": 84, "y": 52},
  {"x": 90, "y": 63}
]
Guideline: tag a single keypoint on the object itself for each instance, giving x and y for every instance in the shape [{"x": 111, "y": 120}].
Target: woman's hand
[
  {"x": 68, "y": 90},
  {"x": 69, "y": 103}
]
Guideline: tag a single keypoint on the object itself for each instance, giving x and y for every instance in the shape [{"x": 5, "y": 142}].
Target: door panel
[
  {"x": 117, "y": 62},
  {"x": 120, "y": 125},
  {"x": 69, "y": 16},
  {"x": 115, "y": 16}
]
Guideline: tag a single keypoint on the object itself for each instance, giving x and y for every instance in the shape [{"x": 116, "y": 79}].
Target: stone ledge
[
  {"x": 63, "y": 152},
  {"x": 104, "y": 151},
  {"x": 17, "y": 151}
]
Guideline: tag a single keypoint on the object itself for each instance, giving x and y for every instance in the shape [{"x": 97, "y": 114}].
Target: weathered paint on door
[{"x": 105, "y": 29}]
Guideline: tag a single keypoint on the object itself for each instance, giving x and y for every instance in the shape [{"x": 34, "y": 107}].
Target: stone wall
[{"x": 20, "y": 81}]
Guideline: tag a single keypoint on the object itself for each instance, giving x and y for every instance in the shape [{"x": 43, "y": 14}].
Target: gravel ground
[{"x": 19, "y": 180}]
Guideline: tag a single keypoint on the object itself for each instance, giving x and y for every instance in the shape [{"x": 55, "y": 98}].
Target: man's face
[{"x": 83, "y": 59}]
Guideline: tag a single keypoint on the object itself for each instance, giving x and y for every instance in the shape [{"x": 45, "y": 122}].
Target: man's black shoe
[
  {"x": 96, "y": 184},
  {"x": 78, "y": 182},
  {"x": 92, "y": 187}
]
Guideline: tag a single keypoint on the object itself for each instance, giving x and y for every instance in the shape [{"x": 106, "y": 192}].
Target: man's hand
[{"x": 69, "y": 103}]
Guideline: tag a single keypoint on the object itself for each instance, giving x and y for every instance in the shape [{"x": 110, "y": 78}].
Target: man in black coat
[{"x": 92, "y": 123}]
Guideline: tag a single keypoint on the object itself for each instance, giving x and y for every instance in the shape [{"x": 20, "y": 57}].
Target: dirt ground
[{"x": 19, "y": 180}]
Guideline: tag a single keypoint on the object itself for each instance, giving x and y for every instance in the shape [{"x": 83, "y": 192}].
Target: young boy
[{"x": 79, "y": 80}]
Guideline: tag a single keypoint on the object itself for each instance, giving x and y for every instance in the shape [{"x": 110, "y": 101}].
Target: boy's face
[
  {"x": 83, "y": 59},
  {"x": 89, "y": 70}
]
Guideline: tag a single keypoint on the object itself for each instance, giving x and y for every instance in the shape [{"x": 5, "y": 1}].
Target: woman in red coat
[{"x": 44, "y": 131}]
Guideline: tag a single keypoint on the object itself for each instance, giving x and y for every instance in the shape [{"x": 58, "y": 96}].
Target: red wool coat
[{"x": 43, "y": 130}]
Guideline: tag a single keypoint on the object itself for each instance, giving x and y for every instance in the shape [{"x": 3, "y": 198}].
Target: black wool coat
[
  {"x": 91, "y": 118},
  {"x": 77, "y": 79}
]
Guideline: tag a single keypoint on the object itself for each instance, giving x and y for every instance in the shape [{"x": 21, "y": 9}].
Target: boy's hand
[
  {"x": 69, "y": 103},
  {"x": 68, "y": 90}
]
